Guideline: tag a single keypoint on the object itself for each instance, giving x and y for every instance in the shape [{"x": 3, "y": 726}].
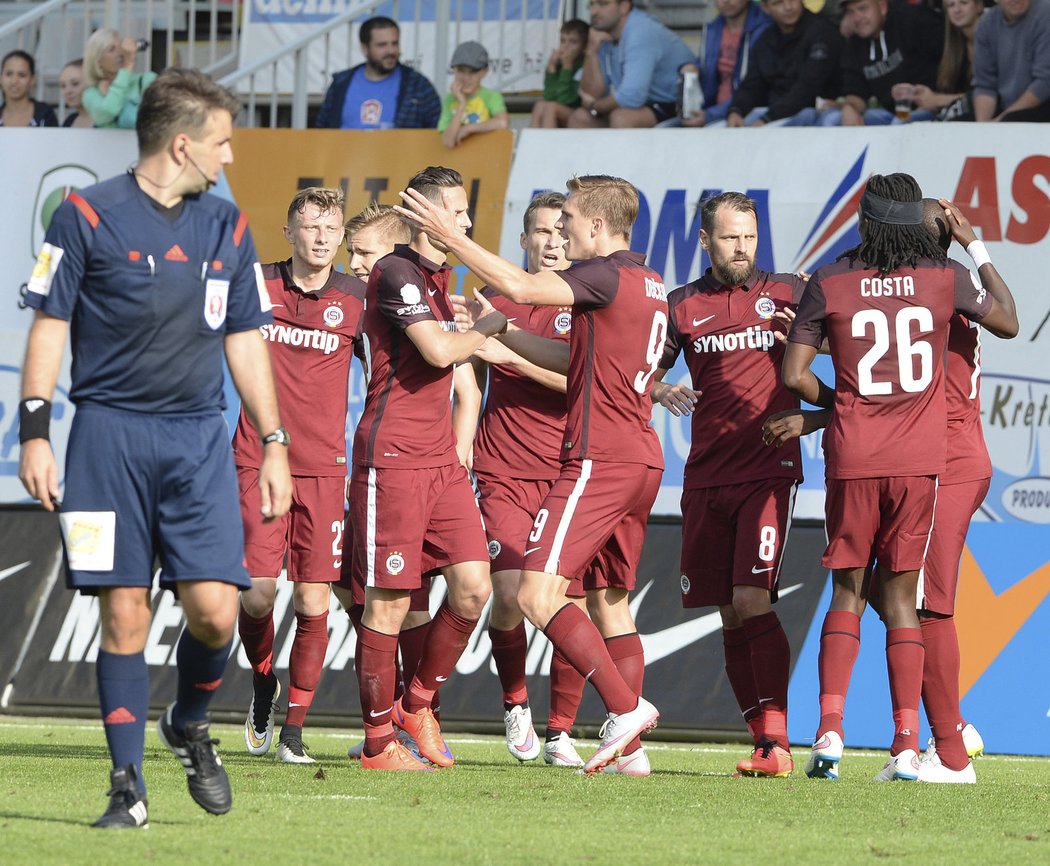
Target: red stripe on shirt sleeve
[
  {"x": 87, "y": 210},
  {"x": 242, "y": 227}
]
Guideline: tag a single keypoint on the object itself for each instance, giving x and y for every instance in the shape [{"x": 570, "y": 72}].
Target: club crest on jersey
[
  {"x": 410, "y": 294},
  {"x": 765, "y": 307},
  {"x": 494, "y": 548},
  {"x": 395, "y": 563},
  {"x": 685, "y": 585},
  {"x": 215, "y": 294},
  {"x": 563, "y": 323},
  {"x": 333, "y": 316}
]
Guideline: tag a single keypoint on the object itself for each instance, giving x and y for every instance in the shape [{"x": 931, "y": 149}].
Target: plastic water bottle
[{"x": 691, "y": 100}]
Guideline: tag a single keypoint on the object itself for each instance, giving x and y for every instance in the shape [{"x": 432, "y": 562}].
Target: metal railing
[
  {"x": 194, "y": 33},
  {"x": 208, "y": 34},
  {"x": 296, "y": 73}
]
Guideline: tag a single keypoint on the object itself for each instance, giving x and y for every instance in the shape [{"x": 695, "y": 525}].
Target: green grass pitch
[{"x": 489, "y": 809}]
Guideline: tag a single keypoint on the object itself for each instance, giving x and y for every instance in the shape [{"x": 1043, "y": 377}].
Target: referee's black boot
[
  {"x": 205, "y": 775},
  {"x": 127, "y": 807}
]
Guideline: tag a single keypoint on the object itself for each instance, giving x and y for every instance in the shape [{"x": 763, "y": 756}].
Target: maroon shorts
[
  {"x": 311, "y": 532},
  {"x": 408, "y": 522},
  {"x": 939, "y": 578},
  {"x": 509, "y": 506},
  {"x": 734, "y": 535},
  {"x": 887, "y": 517},
  {"x": 418, "y": 599},
  {"x": 594, "y": 511}
]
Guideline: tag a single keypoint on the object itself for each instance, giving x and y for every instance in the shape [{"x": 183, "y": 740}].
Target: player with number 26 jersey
[{"x": 887, "y": 335}]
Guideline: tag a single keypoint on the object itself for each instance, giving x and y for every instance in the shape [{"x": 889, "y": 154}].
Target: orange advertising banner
[{"x": 271, "y": 165}]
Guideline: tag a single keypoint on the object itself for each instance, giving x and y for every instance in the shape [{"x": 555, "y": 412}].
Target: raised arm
[
  {"x": 438, "y": 221},
  {"x": 1001, "y": 319}
]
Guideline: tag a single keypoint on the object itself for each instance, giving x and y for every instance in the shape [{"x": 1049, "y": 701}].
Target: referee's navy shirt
[{"x": 149, "y": 297}]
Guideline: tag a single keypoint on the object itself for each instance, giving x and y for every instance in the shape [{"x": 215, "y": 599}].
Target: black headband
[{"x": 886, "y": 210}]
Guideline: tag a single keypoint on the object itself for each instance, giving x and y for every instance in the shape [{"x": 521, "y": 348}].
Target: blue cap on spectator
[{"x": 470, "y": 54}]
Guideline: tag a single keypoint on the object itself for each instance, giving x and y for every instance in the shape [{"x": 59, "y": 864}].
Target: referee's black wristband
[{"x": 34, "y": 419}]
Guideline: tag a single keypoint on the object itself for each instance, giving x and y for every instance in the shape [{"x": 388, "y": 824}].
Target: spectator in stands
[
  {"x": 950, "y": 100},
  {"x": 17, "y": 77},
  {"x": 1012, "y": 62},
  {"x": 468, "y": 108},
  {"x": 114, "y": 89},
  {"x": 71, "y": 85},
  {"x": 726, "y": 44},
  {"x": 381, "y": 93},
  {"x": 630, "y": 70},
  {"x": 561, "y": 81},
  {"x": 892, "y": 42},
  {"x": 792, "y": 64}
]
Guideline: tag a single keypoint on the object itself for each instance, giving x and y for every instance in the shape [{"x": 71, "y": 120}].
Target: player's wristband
[
  {"x": 34, "y": 419},
  {"x": 979, "y": 253}
]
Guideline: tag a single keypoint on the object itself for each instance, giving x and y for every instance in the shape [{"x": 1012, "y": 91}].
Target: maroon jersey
[
  {"x": 407, "y": 419},
  {"x": 888, "y": 335},
  {"x": 522, "y": 426},
  {"x": 311, "y": 342},
  {"x": 967, "y": 454},
  {"x": 726, "y": 333},
  {"x": 619, "y": 324}
]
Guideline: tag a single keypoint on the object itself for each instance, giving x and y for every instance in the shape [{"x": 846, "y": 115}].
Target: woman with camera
[{"x": 114, "y": 89}]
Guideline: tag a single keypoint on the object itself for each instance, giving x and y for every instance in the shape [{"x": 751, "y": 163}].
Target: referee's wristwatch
[{"x": 280, "y": 436}]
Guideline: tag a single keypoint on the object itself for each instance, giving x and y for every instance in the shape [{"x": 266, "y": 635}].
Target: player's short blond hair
[
  {"x": 324, "y": 198},
  {"x": 384, "y": 219},
  {"x": 612, "y": 199}
]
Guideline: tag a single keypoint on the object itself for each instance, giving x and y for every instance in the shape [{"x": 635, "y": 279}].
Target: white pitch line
[{"x": 653, "y": 747}]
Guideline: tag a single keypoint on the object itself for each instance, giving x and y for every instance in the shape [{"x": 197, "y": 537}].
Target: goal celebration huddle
[{"x": 505, "y": 444}]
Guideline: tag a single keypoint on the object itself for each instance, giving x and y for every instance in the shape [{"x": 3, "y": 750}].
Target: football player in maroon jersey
[
  {"x": 317, "y": 319},
  {"x": 594, "y": 518},
  {"x": 737, "y": 497},
  {"x": 884, "y": 308}
]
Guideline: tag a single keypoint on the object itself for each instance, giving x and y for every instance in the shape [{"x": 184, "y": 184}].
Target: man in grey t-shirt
[{"x": 1012, "y": 62}]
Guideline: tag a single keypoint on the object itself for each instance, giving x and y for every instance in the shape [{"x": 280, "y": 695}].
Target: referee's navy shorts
[{"x": 140, "y": 487}]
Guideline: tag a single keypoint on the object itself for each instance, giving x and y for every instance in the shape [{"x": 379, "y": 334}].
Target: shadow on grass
[
  {"x": 20, "y": 816},
  {"x": 57, "y": 750}
]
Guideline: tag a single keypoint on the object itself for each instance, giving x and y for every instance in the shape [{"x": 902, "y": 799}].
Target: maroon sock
[
  {"x": 257, "y": 640},
  {"x": 580, "y": 642},
  {"x": 304, "y": 666},
  {"x": 839, "y": 645},
  {"x": 742, "y": 678},
  {"x": 376, "y": 671},
  {"x": 410, "y": 648},
  {"x": 446, "y": 639},
  {"x": 904, "y": 660},
  {"x": 771, "y": 666},
  {"x": 355, "y": 613},
  {"x": 508, "y": 652},
  {"x": 566, "y": 694},
  {"x": 626, "y": 651},
  {"x": 940, "y": 690}
]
